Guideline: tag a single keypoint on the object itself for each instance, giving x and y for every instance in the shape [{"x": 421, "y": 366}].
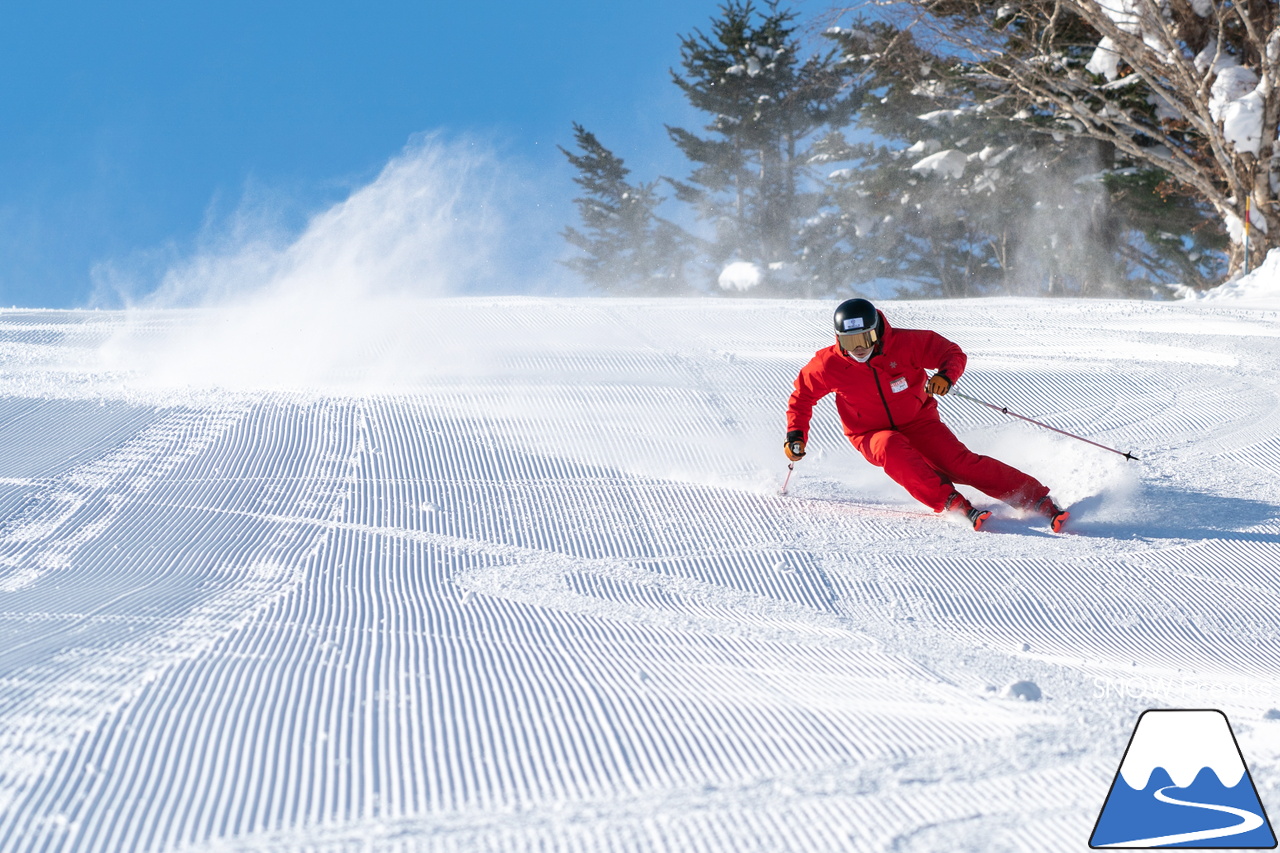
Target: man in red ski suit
[{"x": 885, "y": 401}]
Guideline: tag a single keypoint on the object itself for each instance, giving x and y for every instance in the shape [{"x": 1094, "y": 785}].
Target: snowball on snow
[
  {"x": 740, "y": 276},
  {"x": 949, "y": 163},
  {"x": 1028, "y": 691}
]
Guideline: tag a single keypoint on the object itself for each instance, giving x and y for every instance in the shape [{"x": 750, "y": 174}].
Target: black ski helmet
[{"x": 856, "y": 316}]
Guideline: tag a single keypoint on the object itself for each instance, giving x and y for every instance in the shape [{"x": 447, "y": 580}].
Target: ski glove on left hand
[
  {"x": 938, "y": 384},
  {"x": 794, "y": 445}
]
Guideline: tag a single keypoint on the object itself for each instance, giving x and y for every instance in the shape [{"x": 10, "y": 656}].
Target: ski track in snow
[{"x": 550, "y": 599}]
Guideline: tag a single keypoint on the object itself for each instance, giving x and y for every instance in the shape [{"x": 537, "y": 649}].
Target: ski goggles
[{"x": 858, "y": 340}]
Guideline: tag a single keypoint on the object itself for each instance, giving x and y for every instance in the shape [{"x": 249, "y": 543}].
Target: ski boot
[
  {"x": 957, "y": 503},
  {"x": 1057, "y": 516}
]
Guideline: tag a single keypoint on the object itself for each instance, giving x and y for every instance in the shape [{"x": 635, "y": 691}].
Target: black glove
[
  {"x": 794, "y": 445},
  {"x": 939, "y": 383}
]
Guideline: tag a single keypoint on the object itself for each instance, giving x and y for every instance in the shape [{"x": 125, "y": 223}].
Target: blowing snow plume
[{"x": 333, "y": 306}]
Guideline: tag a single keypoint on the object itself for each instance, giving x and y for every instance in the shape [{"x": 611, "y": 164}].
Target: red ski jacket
[{"x": 886, "y": 391}]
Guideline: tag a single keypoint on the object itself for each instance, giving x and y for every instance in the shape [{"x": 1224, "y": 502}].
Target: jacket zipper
[{"x": 875, "y": 375}]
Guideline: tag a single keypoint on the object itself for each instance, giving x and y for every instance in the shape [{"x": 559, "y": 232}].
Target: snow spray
[{"x": 342, "y": 304}]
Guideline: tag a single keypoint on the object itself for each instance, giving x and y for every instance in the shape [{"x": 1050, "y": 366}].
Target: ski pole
[
  {"x": 791, "y": 466},
  {"x": 1247, "y": 216},
  {"x": 1003, "y": 410}
]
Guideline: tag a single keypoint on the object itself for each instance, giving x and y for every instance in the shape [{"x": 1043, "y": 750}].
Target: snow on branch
[{"x": 1185, "y": 86}]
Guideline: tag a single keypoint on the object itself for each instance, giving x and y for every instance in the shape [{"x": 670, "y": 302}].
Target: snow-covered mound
[
  {"x": 740, "y": 276},
  {"x": 1261, "y": 287},
  {"x": 514, "y": 574}
]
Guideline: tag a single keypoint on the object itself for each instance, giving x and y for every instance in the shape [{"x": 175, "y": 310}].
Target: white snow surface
[
  {"x": 1259, "y": 288},
  {"x": 514, "y": 574}
]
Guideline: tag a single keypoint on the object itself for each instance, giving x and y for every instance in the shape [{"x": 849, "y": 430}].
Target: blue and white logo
[{"x": 1183, "y": 783}]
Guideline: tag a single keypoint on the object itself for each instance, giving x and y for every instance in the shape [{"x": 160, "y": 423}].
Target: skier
[{"x": 885, "y": 401}]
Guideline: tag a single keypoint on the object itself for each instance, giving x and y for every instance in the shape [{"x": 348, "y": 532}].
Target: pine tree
[
  {"x": 753, "y": 178},
  {"x": 627, "y": 248},
  {"x": 962, "y": 201},
  {"x": 1184, "y": 90}
]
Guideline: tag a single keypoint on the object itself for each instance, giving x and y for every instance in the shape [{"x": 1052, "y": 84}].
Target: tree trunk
[
  {"x": 1261, "y": 240},
  {"x": 1260, "y": 219}
]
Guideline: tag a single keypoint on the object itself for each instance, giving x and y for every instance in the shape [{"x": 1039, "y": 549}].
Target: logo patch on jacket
[{"x": 898, "y": 384}]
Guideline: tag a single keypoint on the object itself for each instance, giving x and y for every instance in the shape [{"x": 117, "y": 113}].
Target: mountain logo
[{"x": 1183, "y": 783}]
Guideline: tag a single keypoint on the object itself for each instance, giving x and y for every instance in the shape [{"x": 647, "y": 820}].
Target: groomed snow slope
[{"x": 514, "y": 575}]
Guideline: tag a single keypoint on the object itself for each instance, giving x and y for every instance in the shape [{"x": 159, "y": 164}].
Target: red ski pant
[{"x": 927, "y": 459}]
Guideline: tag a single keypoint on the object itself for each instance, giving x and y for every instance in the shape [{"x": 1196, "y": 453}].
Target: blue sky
[{"x": 130, "y": 125}]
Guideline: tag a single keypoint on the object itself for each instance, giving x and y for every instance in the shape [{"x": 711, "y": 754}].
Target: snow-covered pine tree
[
  {"x": 918, "y": 206},
  {"x": 1189, "y": 89},
  {"x": 752, "y": 173},
  {"x": 960, "y": 199},
  {"x": 627, "y": 248},
  {"x": 931, "y": 233}
]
